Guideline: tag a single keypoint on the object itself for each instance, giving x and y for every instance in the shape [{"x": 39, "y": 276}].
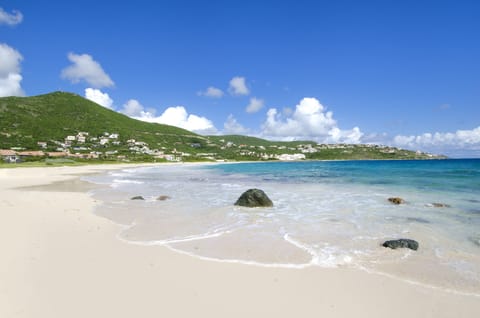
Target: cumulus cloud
[
  {"x": 10, "y": 77},
  {"x": 85, "y": 68},
  {"x": 179, "y": 117},
  {"x": 308, "y": 120},
  {"x": 232, "y": 127},
  {"x": 173, "y": 116},
  {"x": 97, "y": 96},
  {"x": 238, "y": 86},
  {"x": 212, "y": 92},
  {"x": 134, "y": 109},
  {"x": 461, "y": 141},
  {"x": 255, "y": 105},
  {"x": 11, "y": 19}
]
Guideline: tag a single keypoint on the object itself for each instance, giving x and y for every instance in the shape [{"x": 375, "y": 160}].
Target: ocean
[{"x": 325, "y": 214}]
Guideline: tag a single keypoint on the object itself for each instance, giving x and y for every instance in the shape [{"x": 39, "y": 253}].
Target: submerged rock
[
  {"x": 475, "y": 239},
  {"x": 138, "y": 197},
  {"x": 401, "y": 243},
  {"x": 438, "y": 205},
  {"x": 254, "y": 198},
  {"x": 396, "y": 200},
  {"x": 163, "y": 198},
  {"x": 418, "y": 220}
]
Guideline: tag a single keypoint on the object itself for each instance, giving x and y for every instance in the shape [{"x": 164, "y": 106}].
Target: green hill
[
  {"x": 69, "y": 123},
  {"x": 27, "y": 120}
]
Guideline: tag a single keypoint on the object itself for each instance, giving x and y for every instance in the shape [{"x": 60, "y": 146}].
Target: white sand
[{"x": 60, "y": 260}]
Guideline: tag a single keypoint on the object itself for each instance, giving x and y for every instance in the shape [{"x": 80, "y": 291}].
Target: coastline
[{"x": 61, "y": 260}]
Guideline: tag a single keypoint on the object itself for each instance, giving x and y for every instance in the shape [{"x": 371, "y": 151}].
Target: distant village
[{"x": 86, "y": 147}]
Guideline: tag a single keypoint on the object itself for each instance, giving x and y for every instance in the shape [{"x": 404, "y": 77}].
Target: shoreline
[{"x": 62, "y": 260}]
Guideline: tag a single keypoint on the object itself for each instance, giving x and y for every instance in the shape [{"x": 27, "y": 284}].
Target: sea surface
[{"x": 326, "y": 214}]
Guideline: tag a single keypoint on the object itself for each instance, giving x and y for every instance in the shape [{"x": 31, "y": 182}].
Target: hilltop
[{"x": 66, "y": 124}]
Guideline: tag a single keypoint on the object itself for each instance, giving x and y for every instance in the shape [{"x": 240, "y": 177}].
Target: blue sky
[{"x": 402, "y": 73}]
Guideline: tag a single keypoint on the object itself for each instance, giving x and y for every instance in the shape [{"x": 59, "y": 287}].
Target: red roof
[
  {"x": 32, "y": 153},
  {"x": 7, "y": 152}
]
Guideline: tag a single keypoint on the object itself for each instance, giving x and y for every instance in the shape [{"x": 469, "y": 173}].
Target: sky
[{"x": 399, "y": 73}]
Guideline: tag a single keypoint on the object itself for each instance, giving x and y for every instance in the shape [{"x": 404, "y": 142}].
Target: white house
[
  {"x": 287, "y": 157},
  {"x": 9, "y": 156}
]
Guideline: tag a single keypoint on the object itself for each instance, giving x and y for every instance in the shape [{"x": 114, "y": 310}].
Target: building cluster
[{"x": 108, "y": 145}]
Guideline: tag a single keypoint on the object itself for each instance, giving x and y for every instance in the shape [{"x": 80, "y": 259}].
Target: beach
[{"x": 59, "y": 259}]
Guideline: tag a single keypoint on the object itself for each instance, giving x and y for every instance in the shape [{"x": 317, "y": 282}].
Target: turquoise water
[
  {"x": 456, "y": 176},
  {"x": 326, "y": 214}
]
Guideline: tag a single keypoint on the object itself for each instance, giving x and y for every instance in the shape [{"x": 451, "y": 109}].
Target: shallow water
[{"x": 327, "y": 214}]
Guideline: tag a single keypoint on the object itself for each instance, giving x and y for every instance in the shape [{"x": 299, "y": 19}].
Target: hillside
[
  {"x": 26, "y": 120},
  {"x": 70, "y": 124}
]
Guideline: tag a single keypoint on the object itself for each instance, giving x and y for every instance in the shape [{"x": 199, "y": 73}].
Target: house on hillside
[
  {"x": 289, "y": 157},
  {"x": 57, "y": 154},
  {"x": 26, "y": 154},
  {"x": 9, "y": 156}
]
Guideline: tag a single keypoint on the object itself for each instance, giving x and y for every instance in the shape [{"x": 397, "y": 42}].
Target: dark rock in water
[
  {"x": 401, "y": 243},
  {"x": 475, "y": 239},
  {"x": 254, "y": 198},
  {"x": 396, "y": 200},
  {"x": 418, "y": 220},
  {"x": 473, "y": 200},
  {"x": 439, "y": 205},
  {"x": 138, "y": 197},
  {"x": 163, "y": 198}
]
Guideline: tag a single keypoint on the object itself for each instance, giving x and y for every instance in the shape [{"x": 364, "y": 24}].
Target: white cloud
[
  {"x": 10, "y": 77},
  {"x": 173, "y": 116},
  {"x": 179, "y": 117},
  {"x": 238, "y": 86},
  {"x": 85, "y": 68},
  {"x": 232, "y": 127},
  {"x": 308, "y": 120},
  {"x": 461, "y": 141},
  {"x": 14, "y": 18},
  {"x": 134, "y": 109},
  {"x": 97, "y": 96},
  {"x": 212, "y": 92},
  {"x": 255, "y": 105}
]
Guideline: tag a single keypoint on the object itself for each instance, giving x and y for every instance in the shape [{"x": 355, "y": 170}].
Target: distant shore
[{"x": 61, "y": 260}]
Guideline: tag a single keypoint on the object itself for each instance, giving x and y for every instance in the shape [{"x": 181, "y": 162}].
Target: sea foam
[{"x": 326, "y": 214}]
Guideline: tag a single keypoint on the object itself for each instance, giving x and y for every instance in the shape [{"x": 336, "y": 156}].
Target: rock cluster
[{"x": 396, "y": 200}]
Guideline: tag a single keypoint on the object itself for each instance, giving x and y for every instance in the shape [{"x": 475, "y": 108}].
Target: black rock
[
  {"x": 254, "y": 198},
  {"x": 163, "y": 198},
  {"x": 401, "y": 243},
  {"x": 138, "y": 197}
]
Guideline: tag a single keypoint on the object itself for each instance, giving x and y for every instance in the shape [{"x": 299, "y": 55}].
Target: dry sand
[{"x": 58, "y": 259}]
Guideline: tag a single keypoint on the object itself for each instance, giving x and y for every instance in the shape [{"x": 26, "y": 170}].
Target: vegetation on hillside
[{"x": 68, "y": 123}]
